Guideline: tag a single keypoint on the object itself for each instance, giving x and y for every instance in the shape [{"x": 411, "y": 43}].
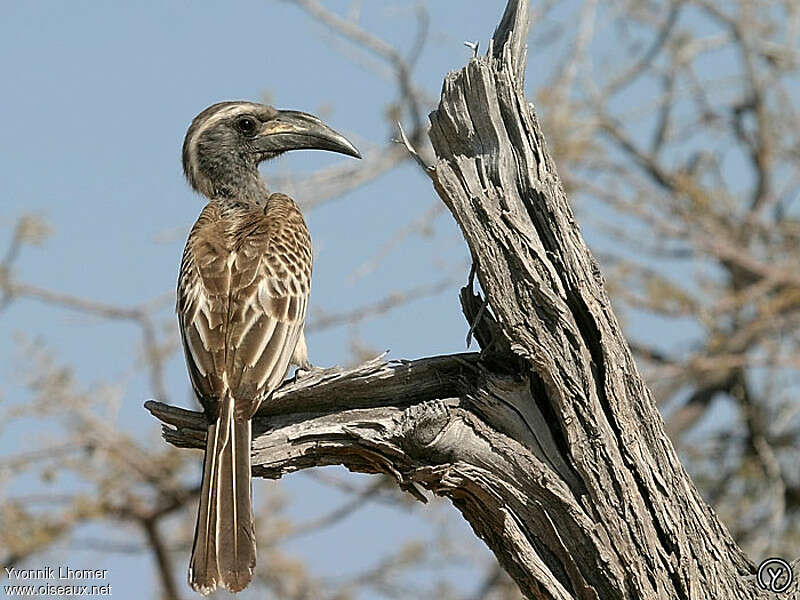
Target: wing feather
[{"x": 242, "y": 298}]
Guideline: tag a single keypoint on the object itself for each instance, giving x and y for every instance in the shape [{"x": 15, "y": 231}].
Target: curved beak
[{"x": 294, "y": 130}]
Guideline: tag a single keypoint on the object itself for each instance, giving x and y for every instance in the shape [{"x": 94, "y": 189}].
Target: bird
[{"x": 242, "y": 294}]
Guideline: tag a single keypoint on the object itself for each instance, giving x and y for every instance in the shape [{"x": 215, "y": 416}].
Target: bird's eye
[{"x": 246, "y": 125}]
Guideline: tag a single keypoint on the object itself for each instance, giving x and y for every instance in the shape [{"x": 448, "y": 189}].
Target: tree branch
[
  {"x": 444, "y": 424},
  {"x": 547, "y": 441}
]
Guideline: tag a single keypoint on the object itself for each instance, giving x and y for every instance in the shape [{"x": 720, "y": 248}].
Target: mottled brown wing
[
  {"x": 202, "y": 306},
  {"x": 272, "y": 277},
  {"x": 243, "y": 300}
]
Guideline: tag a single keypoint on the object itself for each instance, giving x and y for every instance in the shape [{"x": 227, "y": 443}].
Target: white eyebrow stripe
[{"x": 218, "y": 116}]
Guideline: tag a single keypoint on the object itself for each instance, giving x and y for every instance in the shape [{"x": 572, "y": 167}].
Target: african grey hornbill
[{"x": 242, "y": 296}]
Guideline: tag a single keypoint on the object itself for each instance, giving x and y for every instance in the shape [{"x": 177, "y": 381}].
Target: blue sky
[
  {"x": 96, "y": 101},
  {"x": 97, "y": 98}
]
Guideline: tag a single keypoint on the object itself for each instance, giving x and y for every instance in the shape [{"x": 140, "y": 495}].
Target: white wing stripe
[{"x": 265, "y": 339}]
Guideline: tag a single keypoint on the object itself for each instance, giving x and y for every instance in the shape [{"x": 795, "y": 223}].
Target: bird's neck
[
  {"x": 239, "y": 184},
  {"x": 251, "y": 188}
]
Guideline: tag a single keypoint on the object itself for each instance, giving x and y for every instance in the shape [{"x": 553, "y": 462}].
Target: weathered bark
[{"x": 547, "y": 441}]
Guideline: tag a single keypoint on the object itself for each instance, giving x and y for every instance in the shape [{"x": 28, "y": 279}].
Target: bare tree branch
[{"x": 562, "y": 465}]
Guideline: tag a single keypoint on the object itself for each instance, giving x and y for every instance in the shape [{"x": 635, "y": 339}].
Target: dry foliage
[{"x": 674, "y": 125}]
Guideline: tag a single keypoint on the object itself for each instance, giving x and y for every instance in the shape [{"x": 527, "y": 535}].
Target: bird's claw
[{"x": 303, "y": 371}]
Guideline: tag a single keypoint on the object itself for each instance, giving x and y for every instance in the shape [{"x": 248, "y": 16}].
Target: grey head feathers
[
  {"x": 218, "y": 157},
  {"x": 226, "y": 142}
]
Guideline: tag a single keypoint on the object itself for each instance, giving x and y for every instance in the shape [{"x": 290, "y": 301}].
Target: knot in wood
[{"x": 421, "y": 425}]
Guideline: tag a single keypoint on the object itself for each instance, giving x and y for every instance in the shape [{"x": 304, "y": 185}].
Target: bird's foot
[{"x": 303, "y": 371}]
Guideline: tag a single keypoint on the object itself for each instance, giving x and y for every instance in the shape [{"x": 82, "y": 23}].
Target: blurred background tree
[{"x": 675, "y": 128}]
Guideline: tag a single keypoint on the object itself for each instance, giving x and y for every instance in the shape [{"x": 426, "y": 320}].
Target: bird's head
[{"x": 227, "y": 141}]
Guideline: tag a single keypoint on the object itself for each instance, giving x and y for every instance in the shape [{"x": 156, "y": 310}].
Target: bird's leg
[
  {"x": 300, "y": 358},
  {"x": 303, "y": 371}
]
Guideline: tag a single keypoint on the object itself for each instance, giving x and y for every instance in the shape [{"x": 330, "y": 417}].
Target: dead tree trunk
[{"x": 548, "y": 441}]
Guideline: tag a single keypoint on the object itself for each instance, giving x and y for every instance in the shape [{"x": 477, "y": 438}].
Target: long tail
[{"x": 224, "y": 551}]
